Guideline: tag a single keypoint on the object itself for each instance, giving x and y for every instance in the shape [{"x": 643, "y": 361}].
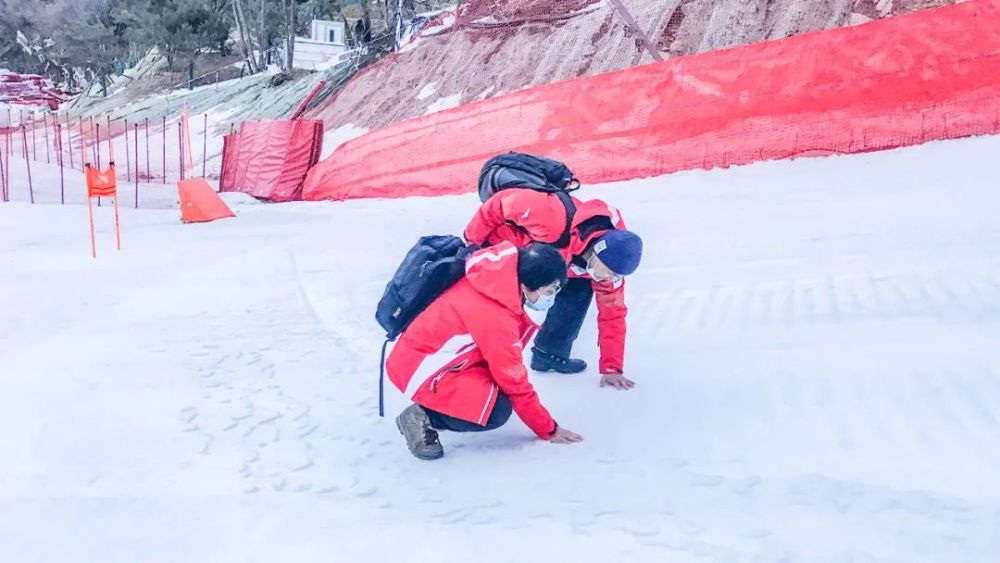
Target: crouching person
[{"x": 479, "y": 388}]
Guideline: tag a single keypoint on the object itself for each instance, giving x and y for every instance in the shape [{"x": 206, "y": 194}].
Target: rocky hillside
[{"x": 491, "y": 47}]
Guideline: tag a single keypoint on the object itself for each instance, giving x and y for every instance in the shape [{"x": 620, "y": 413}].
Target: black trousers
[
  {"x": 499, "y": 417},
  {"x": 562, "y": 325}
]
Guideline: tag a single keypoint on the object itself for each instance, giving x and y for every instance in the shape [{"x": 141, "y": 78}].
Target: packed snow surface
[{"x": 815, "y": 344}]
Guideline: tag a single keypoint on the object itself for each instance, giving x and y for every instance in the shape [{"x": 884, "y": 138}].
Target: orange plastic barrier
[
  {"x": 901, "y": 81},
  {"x": 269, "y": 159},
  {"x": 199, "y": 202}
]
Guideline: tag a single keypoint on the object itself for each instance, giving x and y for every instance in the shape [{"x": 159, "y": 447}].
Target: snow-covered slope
[{"x": 814, "y": 341}]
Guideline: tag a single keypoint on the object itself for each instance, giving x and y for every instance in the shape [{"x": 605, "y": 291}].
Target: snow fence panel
[{"x": 269, "y": 159}]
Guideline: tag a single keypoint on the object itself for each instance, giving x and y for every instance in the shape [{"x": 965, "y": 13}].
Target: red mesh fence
[
  {"x": 269, "y": 159},
  {"x": 902, "y": 81}
]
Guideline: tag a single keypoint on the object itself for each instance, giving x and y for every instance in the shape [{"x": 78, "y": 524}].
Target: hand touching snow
[
  {"x": 563, "y": 436},
  {"x": 616, "y": 380}
]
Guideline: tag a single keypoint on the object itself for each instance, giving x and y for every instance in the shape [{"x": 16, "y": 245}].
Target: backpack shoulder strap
[
  {"x": 567, "y": 202},
  {"x": 381, "y": 378}
]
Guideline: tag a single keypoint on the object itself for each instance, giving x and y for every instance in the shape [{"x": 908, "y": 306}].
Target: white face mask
[
  {"x": 544, "y": 303},
  {"x": 592, "y": 272}
]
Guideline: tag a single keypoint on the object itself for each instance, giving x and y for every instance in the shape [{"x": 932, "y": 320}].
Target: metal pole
[
  {"x": 301, "y": 108},
  {"x": 45, "y": 125},
  {"x": 630, "y": 21},
  {"x": 149, "y": 175},
  {"x": 34, "y": 143},
  {"x": 136, "y": 164},
  {"x": 90, "y": 212},
  {"x": 97, "y": 147},
  {"x": 3, "y": 173},
  {"x": 204, "y": 146},
  {"x": 180, "y": 149},
  {"x": 10, "y": 152},
  {"x": 164, "y": 149},
  {"x": 20, "y": 123},
  {"x": 83, "y": 151},
  {"x": 59, "y": 157},
  {"x": 69, "y": 137},
  {"x": 111, "y": 149},
  {"x": 27, "y": 162},
  {"x": 128, "y": 157}
]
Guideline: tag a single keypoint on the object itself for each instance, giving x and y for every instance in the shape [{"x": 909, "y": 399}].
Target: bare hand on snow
[
  {"x": 563, "y": 436},
  {"x": 616, "y": 380}
]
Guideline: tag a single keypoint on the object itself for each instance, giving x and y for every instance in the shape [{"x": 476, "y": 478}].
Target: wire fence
[{"x": 146, "y": 151}]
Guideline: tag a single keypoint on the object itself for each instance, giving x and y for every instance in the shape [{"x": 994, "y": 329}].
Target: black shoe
[
  {"x": 543, "y": 361},
  {"x": 415, "y": 426}
]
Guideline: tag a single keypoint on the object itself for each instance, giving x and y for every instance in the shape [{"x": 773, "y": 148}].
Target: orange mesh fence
[
  {"x": 269, "y": 159},
  {"x": 901, "y": 81}
]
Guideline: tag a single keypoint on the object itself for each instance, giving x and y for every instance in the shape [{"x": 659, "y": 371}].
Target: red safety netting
[
  {"x": 907, "y": 80},
  {"x": 269, "y": 159},
  {"x": 29, "y": 90}
]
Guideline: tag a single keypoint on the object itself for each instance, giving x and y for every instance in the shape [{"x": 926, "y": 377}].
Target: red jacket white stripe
[
  {"x": 523, "y": 216},
  {"x": 487, "y": 305}
]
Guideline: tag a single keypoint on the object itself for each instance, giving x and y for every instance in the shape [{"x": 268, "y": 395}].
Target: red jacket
[
  {"x": 522, "y": 216},
  {"x": 487, "y": 305}
]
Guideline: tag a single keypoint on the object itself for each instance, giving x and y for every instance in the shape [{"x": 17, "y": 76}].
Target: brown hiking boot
[{"x": 415, "y": 426}]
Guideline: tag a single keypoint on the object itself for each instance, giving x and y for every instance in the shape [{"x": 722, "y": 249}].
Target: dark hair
[{"x": 539, "y": 265}]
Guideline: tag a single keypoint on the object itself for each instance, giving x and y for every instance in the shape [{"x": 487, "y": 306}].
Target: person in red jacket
[
  {"x": 600, "y": 252},
  {"x": 479, "y": 388}
]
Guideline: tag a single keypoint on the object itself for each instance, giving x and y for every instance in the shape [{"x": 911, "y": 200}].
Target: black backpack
[
  {"x": 528, "y": 171},
  {"x": 433, "y": 265}
]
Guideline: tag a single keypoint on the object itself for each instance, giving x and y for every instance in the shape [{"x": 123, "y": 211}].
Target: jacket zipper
[{"x": 445, "y": 372}]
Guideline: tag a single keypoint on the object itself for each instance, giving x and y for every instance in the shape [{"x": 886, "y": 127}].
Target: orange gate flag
[{"x": 101, "y": 183}]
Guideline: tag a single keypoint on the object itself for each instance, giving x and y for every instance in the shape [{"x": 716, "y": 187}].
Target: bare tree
[
  {"x": 246, "y": 46},
  {"x": 262, "y": 38},
  {"x": 291, "y": 25}
]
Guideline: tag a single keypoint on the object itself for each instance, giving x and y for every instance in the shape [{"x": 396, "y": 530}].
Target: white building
[{"x": 328, "y": 41}]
